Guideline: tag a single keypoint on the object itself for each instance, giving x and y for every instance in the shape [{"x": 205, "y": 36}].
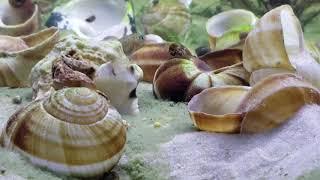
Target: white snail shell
[{"x": 74, "y": 132}]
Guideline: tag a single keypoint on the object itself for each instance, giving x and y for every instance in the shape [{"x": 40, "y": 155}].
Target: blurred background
[{"x": 195, "y": 35}]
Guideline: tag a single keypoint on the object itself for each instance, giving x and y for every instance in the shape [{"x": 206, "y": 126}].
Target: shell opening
[{"x": 22, "y": 11}]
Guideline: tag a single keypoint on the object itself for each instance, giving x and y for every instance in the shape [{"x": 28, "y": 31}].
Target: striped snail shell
[{"x": 75, "y": 132}]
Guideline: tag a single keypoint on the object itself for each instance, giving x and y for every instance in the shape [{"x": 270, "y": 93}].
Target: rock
[
  {"x": 284, "y": 153},
  {"x": 156, "y": 124},
  {"x": 17, "y": 100}
]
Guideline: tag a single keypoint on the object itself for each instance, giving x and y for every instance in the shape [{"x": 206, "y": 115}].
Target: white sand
[{"x": 285, "y": 153}]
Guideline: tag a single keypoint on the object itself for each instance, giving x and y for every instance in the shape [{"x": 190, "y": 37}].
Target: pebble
[
  {"x": 2, "y": 170},
  {"x": 17, "y": 100},
  {"x": 157, "y": 124}
]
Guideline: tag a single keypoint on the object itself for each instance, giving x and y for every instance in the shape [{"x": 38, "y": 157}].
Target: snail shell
[
  {"x": 119, "y": 82},
  {"x": 277, "y": 42},
  {"x": 20, "y": 54},
  {"x": 19, "y": 18},
  {"x": 268, "y": 104},
  {"x": 84, "y": 134},
  {"x": 181, "y": 79},
  {"x": 167, "y": 19},
  {"x": 151, "y": 56},
  {"x": 229, "y": 28},
  {"x": 88, "y": 19}
]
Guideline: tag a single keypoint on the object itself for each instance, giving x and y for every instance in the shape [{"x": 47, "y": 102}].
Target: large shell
[
  {"x": 19, "y": 18},
  {"x": 277, "y": 42},
  {"x": 167, "y": 19},
  {"x": 268, "y": 104},
  {"x": 151, "y": 56},
  {"x": 20, "y": 54},
  {"x": 181, "y": 79},
  {"x": 229, "y": 28},
  {"x": 92, "y": 19},
  {"x": 84, "y": 133}
]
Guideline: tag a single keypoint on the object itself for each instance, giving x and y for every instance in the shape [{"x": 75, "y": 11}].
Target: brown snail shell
[
  {"x": 19, "y": 18},
  {"x": 83, "y": 132},
  {"x": 20, "y": 54},
  {"x": 181, "y": 79},
  {"x": 151, "y": 56},
  {"x": 268, "y": 104}
]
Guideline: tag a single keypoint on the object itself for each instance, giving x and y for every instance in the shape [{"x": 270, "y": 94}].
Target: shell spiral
[{"x": 74, "y": 132}]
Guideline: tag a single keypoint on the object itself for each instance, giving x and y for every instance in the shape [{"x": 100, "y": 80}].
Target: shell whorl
[
  {"x": 76, "y": 105},
  {"x": 87, "y": 140}
]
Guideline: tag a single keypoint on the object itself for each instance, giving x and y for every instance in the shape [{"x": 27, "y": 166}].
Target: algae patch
[{"x": 312, "y": 175}]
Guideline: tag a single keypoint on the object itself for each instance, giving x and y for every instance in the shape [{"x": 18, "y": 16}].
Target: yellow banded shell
[{"x": 74, "y": 132}]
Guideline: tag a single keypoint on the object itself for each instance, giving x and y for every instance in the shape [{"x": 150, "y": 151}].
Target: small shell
[
  {"x": 19, "y": 18},
  {"x": 267, "y": 105},
  {"x": 215, "y": 109},
  {"x": 229, "y": 28},
  {"x": 167, "y": 19},
  {"x": 133, "y": 42},
  {"x": 181, "y": 79},
  {"x": 151, "y": 56},
  {"x": 18, "y": 58},
  {"x": 277, "y": 42},
  {"x": 119, "y": 83},
  {"x": 67, "y": 73},
  {"x": 84, "y": 133}
]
